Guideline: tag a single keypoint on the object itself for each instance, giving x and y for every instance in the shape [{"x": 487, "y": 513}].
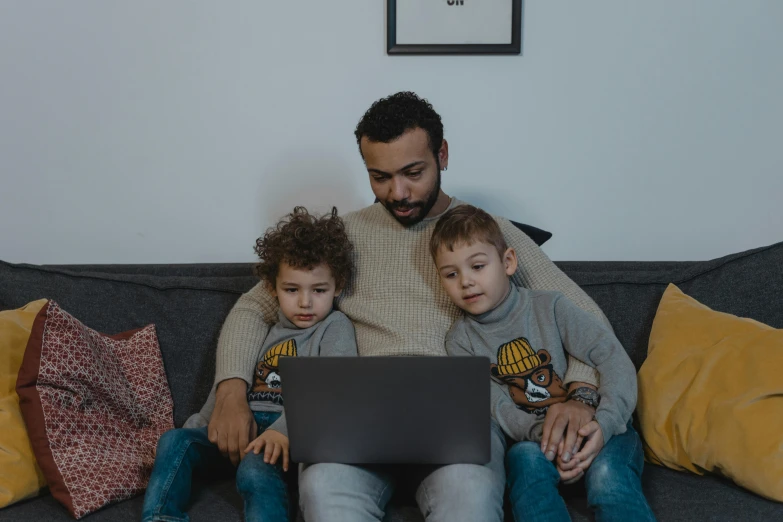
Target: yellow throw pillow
[
  {"x": 20, "y": 476},
  {"x": 711, "y": 394}
]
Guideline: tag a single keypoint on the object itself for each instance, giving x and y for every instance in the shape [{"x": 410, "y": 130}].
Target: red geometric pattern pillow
[{"x": 94, "y": 406}]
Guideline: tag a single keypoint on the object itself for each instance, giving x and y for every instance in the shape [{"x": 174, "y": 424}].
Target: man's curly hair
[
  {"x": 389, "y": 118},
  {"x": 305, "y": 241}
]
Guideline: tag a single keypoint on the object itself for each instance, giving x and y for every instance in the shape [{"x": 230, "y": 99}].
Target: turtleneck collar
[
  {"x": 283, "y": 320},
  {"x": 501, "y": 311}
]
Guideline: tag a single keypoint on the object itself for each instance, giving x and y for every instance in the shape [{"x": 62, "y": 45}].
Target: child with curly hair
[{"x": 306, "y": 261}]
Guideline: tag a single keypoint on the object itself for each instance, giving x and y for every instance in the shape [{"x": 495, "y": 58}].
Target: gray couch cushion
[
  {"x": 748, "y": 284},
  {"x": 674, "y": 495}
]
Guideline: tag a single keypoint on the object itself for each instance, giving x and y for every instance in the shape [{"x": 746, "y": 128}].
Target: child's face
[
  {"x": 305, "y": 296},
  {"x": 475, "y": 276}
]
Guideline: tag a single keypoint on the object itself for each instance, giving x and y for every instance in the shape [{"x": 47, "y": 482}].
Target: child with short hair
[
  {"x": 527, "y": 336},
  {"x": 306, "y": 261}
]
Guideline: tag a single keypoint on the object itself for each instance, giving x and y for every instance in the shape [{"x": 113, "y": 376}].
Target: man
[{"x": 399, "y": 308}]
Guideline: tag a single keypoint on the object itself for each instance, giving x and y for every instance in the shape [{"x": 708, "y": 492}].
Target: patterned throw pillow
[{"x": 94, "y": 406}]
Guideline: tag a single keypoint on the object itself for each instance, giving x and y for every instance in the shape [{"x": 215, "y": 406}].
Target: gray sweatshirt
[
  {"x": 528, "y": 337},
  {"x": 334, "y": 336}
]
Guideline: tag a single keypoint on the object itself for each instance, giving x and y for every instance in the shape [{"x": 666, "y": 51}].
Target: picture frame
[{"x": 454, "y": 27}]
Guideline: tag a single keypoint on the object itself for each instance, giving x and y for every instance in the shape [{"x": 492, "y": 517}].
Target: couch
[{"x": 188, "y": 303}]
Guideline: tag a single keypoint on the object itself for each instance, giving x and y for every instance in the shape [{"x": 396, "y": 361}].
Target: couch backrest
[
  {"x": 747, "y": 284},
  {"x": 188, "y": 303}
]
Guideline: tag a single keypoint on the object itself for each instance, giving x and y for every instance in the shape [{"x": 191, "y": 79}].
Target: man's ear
[
  {"x": 443, "y": 155},
  {"x": 510, "y": 261}
]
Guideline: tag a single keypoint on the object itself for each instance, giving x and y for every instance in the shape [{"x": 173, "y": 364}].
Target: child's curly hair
[{"x": 304, "y": 240}]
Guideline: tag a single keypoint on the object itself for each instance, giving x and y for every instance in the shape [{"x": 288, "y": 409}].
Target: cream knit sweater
[{"x": 395, "y": 300}]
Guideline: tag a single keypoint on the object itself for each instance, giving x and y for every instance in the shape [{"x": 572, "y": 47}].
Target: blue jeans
[
  {"x": 454, "y": 493},
  {"x": 182, "y": 452},
  {"x": 613, "y": 483}
]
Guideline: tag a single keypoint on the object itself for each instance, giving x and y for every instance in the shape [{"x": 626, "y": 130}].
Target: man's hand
[
  {"x": 276, "y": 445},
  {"x": 562, "y": 423},
  {"x": 577, "y": 466},
  {"x": 232, "y": 424}
]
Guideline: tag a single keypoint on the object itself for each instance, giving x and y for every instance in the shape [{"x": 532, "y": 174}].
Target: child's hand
[
  {"x": 594, "y": 442},
  {"x": 570, "y": 476},
  {"x": 577, "y": 465},
  {"x": 274, "y": 444},
  {"x": 570, "y": 471}
]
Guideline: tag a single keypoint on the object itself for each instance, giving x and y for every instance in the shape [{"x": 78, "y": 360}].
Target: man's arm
[
  {"x": 243, "y": 333},
  {"x": 231, "y": 424},
  {"x": 537, "y": 272}
]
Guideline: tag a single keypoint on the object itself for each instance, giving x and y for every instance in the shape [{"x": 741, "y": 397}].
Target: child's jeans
[
  {"x": 182, "y": 452},
  {"x": 613, "y": 482}
]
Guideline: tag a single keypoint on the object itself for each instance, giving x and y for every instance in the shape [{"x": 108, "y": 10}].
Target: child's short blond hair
[{"x": 466, "y": 224}]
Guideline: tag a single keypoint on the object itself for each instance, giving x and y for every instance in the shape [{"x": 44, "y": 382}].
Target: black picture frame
[{"x": 515, "y": 47}]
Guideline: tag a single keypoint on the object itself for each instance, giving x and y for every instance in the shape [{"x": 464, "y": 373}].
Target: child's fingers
[
  {"x": 572, "y": 479},
  {"x": 268, "y": 452},
  {"x": 254, "y": 445},
  {"x": 285, "y": 459},
  {"x": 589, "y": 451},
  {"x": 567, "y": 466},
  {"x": 586, "y": 464},
  {"x": 275, "y": 455},
  {"x": 569, "y": 476},
  {"x": 589, "y": 428},
  {"x": 562, "y": 464},
  {"x": 258, "y": 445}
]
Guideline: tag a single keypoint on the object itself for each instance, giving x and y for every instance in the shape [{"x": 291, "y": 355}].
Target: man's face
[
  {"x": 475, "y": 277},
  {"x": 305, "y": 296},
  {"x": 405, "y": 175}
]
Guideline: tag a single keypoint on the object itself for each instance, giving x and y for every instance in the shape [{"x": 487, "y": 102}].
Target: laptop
[{"x": 387, "y": 410}]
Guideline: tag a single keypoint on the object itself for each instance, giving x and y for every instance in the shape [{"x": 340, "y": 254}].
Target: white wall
[{"x": 177, "y": 131}]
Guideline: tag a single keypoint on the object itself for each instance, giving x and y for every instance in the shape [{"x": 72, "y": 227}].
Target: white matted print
[
  {"x": 454, "y": 26},
  {"x": 454, "y": 22}
]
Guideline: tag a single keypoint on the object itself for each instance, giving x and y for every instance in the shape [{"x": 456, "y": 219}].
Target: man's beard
[{"x": 423, "y": 206}]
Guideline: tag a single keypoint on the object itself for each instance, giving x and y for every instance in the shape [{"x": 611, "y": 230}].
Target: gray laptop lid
[{"x": 364, "y": 410}]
